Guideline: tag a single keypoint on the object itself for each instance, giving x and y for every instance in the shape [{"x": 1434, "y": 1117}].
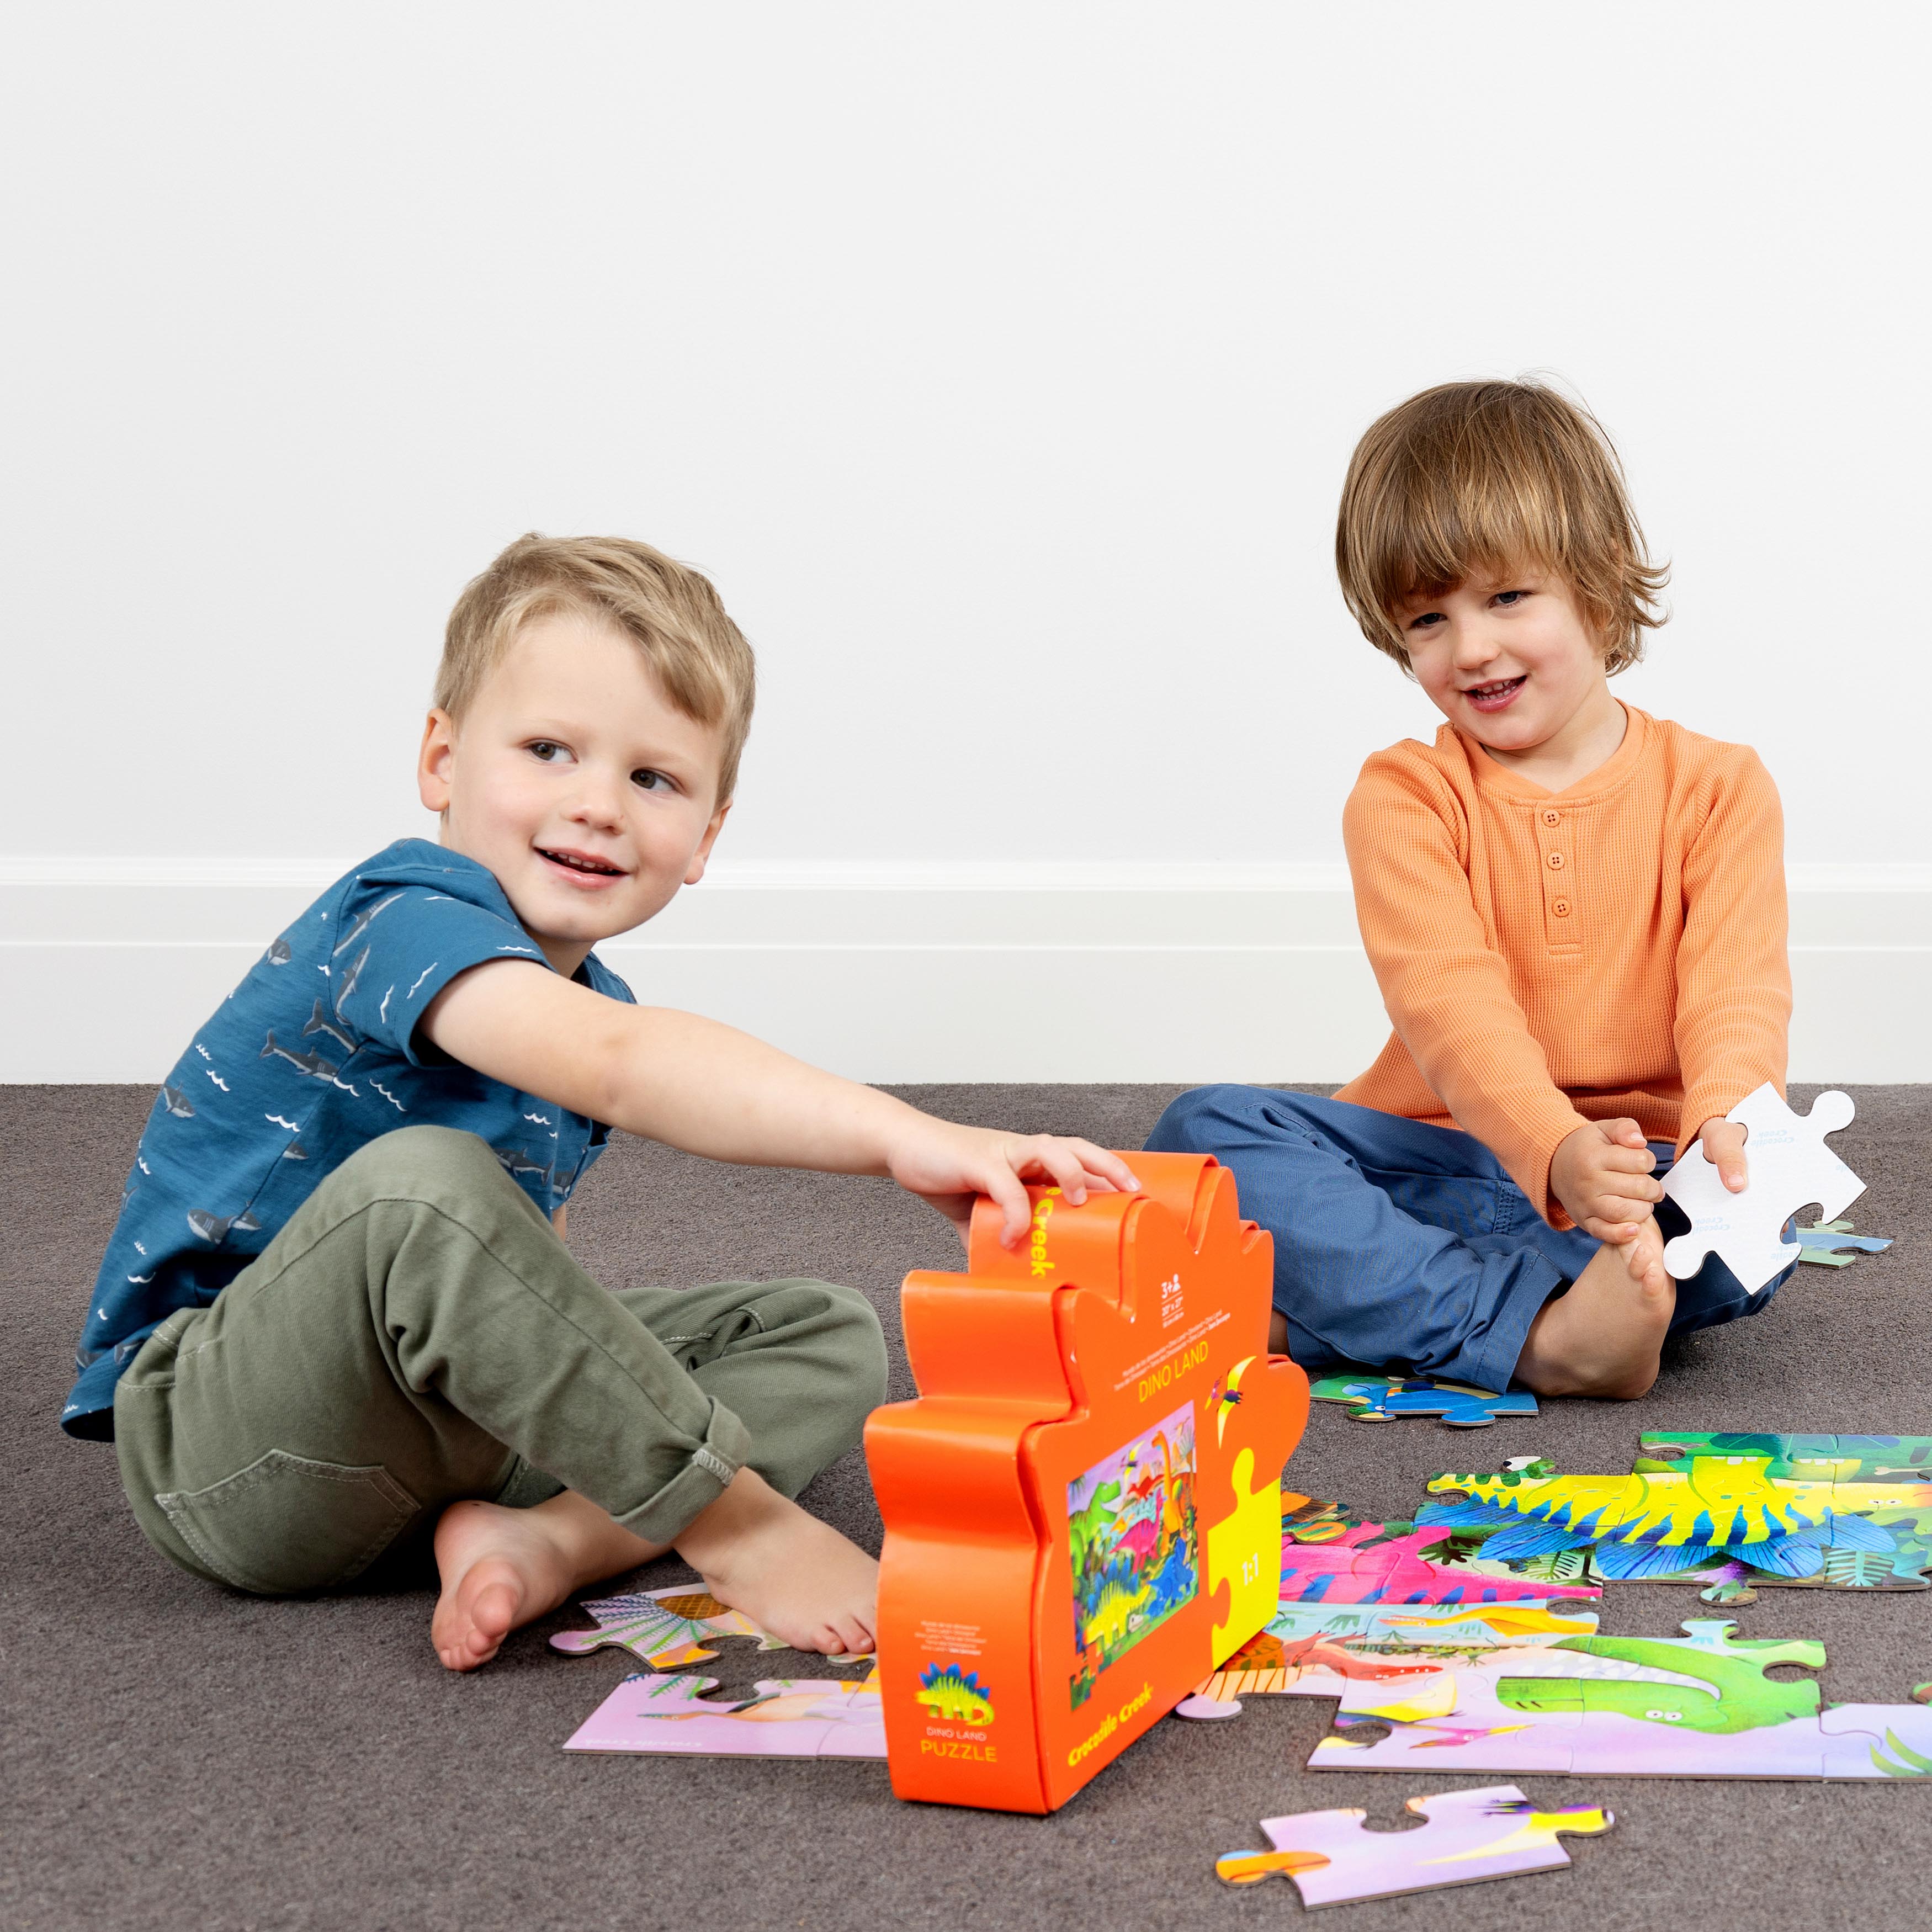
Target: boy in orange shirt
[{"x": 1575, "y": 911}]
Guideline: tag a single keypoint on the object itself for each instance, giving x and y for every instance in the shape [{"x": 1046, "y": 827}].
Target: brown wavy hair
[{"x": 1473, "y": 477}]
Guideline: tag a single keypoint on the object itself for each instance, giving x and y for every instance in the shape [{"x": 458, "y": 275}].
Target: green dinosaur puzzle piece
[{"x": 1741, "y": 1697}]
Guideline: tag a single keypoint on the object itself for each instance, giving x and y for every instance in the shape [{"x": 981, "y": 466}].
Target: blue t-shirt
[{"x": 311, "y": 1056}]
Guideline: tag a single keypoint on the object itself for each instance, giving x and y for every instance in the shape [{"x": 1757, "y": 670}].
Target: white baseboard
[{"x": 902, "y": 974}]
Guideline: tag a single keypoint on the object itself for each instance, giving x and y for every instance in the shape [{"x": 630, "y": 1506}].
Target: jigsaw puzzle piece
[
  {"x": 1787, "y": 1458},
  {"x": 1385, "y": 1563},
  {"x": 1872, "y": 1741},
  {"x": 1790, "y": 1166},
  {"x": 1380, "y": 1398},
  {"x": 1695, "y": 1706},
  {"x": 1459, "y": 1722},
  {"x": 795, "y": 1716},
  {"x": 1244, "y": 1553},
  {"x": 1832, "y": 1244},
  {"x": 668, "y": 1628},
  {"x": 1334, "y": 1858},
  {"x": 1479, "y": 1735},
  {"x": 1674, "y": 1520},
  {"x": 1318, "y": 1650},
  {"x": 1302, "y": 1515}
]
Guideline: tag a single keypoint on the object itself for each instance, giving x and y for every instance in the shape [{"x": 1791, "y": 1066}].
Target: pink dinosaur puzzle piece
[{"x": 1341, "y": 1570}]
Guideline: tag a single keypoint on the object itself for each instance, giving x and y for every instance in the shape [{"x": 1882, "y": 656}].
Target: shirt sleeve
[
  {"x": 1446, "y": 988},
  {"x": 1733, "y": 969},
  {"x": 399, "y": 943}
]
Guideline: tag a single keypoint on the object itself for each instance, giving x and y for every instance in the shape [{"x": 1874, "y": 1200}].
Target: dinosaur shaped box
[{"x": 1082, "y": 1506}]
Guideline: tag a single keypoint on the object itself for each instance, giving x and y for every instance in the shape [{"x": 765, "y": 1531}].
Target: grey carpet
[{"x": 175, "y": 1756}]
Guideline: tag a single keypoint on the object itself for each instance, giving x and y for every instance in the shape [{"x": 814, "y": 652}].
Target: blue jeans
[{"x": 1404, "y": 1245}]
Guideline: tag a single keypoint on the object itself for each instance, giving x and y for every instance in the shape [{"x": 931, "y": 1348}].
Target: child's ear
[
  {"x": 433, "y": 761},
  {"x": 698, "y": 859}
]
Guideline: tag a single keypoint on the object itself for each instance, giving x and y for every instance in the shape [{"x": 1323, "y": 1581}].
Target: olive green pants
[{"x": 418, "y": 1333}]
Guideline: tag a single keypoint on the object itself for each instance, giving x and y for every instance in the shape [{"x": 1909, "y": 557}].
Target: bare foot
[
  {"x": 1605, "y": 1336},
  {"x": 502, "y": 1568},
  {"x": 791, "y": 1574}
]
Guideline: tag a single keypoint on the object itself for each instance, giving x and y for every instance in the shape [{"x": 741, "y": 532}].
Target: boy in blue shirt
[{"x": 336, "y": 1319}]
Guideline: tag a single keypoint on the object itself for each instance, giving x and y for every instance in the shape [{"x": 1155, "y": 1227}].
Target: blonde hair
[
  {"x": 1495, "y": 476},
  {"x": 669, "y": 610}
]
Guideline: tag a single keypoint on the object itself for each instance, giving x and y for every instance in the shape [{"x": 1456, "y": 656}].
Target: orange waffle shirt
[{"x": 1552, "y": 958}]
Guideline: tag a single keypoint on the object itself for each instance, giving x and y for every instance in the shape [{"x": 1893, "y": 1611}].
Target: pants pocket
[{"x": 286, "y": 1523}]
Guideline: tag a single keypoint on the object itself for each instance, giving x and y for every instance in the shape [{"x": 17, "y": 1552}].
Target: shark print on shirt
[{"x": 281, "y": 1085}]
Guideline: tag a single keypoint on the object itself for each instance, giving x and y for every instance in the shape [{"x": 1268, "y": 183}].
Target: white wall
[{"x": 1001, "y": 363}]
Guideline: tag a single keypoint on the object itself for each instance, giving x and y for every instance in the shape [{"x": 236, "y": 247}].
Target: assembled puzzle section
[
  {"x": 1724, "y": 1520},
  {"x": 1316, "y": 1650},
  {"x": 1700, "y": 1706},
  {"x": 1334, "y": 1858},
  {"x": 1398, "y": 1563},
  {"x": 1083, "y": 1506},
  {"x": 1788, "y": 1165}
]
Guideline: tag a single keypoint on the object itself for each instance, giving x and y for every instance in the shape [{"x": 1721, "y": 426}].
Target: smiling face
[
  {"x": 1510, "y": 660},
  {"x": 573, "y": 778}
]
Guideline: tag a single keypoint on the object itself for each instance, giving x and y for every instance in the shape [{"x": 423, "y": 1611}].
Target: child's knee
[
  {"x": 1198, "y": 1122},
  {"x": 860, "y": 1340},
  {"x": 420, "y": 1163}
]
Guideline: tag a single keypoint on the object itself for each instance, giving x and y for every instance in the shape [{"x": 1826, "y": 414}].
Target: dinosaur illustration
[
  {"x": 1170, "y": 1505},
  {"x": 1355, "y": 1567},
  {"x": 952, "y": 1691},
  {"x": 1741, "y": 1698},
  {"x": 1655, "y": 1522}
]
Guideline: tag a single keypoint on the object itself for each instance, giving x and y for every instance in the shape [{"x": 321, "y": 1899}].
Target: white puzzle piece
[{"x": 1790, "y": 1166}]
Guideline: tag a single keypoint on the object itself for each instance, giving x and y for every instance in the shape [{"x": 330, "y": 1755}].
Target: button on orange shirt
[{"x": 1552, "y": 958}]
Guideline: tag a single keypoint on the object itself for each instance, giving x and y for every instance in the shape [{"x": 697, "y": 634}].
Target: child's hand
[
  {"x": 1724, "y": 1149},
  {"x": 1601, "y": 1173},
  {"x": 951, "y": 1166}
]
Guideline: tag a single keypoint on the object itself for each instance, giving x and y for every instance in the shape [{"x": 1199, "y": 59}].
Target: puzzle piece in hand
[
  {"x": 1377, "y": 1398},
  {"x": 790, "y": 1716},
  {"x": 667, "y": 1628},
  {"x": 1333, "y": 1858},
  {"x": 1789, "y": 1166},
  {"x": 1832, "y": 1244}
]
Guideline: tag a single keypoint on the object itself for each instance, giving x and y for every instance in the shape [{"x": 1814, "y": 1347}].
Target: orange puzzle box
[{"x": 1082, "y": 1506}]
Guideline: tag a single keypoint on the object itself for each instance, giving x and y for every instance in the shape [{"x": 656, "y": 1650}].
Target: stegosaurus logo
[{"x": 949, "y": 1691}]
